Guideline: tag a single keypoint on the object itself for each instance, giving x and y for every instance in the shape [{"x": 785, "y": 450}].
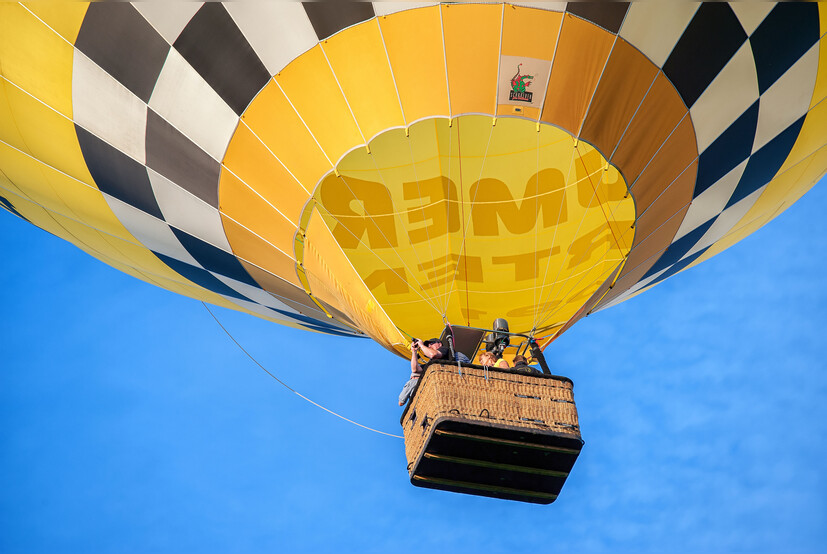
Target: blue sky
[{"x": 130, "y": 423}]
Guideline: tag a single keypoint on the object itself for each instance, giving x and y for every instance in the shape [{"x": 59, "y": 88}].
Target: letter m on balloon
[{"x": 493, "y": 204}]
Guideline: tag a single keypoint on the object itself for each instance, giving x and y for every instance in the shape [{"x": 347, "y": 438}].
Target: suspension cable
[{"x": 288, "y": 387}]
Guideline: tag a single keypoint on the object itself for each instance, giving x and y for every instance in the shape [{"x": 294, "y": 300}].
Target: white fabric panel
[
  {"x": 185, "y": 99},
  {"x": 733, "y": 91},
  {"x": 107, "y": 109},
  {"x": 655, "y": 27},
  {"x": 255, "y": 308},
  {"x": 787, "y": 99},
  {"x": 725, "y": 222},
  {"x": 188, "y": 212},
  {"x": 277, "y": 31},
  {"x": 261, "y": 297},
  {"x": 549, "y": 6},
  {"x": 168, "y": 18},
  {"x": 751, "y": 14},
  {"x": 151, "y": 231},
  {"x": 259, "y": 308},
  {"x": 711, "y": 202},
  {"x": 636, "y": 287},
  {"x": 387, "y": 8}
]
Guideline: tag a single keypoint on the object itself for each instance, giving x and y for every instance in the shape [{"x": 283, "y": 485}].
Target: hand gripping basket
[{"x": 492, "y": 433}]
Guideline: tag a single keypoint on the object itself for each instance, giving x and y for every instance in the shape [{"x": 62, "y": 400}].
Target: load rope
[{"x": 291, "y": 389}]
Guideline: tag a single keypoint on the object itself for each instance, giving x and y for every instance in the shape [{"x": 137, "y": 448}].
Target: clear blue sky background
[{"x": 130, "y": 423}]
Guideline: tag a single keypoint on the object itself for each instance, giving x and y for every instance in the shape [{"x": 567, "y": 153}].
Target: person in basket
[
  {"x": 413, "y": 382},
  {"x": 435, "y": 350}
]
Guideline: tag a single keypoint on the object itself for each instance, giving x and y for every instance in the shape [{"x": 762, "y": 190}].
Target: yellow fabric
[
  {"x": 504, "y": 195},
  {"x": 418, "y": 65},
  {"x": 472, "y": 45},
  {"x": 312, "y": 89},
  {"x": 333, "y": 280},
  {"x": 365, "y": 79},
  {"x": 64, "y": 17},
  {"x": 271, "y": 117}
]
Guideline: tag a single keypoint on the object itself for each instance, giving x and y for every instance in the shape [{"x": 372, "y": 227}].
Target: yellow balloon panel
[
  {"x": 272, "y": 118},
  {"x": 313, "y": 91},
  {"x": 44, "y": 134},
  {"x": 366, "y": 79},
  {"x": 251, "y": 161},
  {"x": 242, "y": 203},
  {"x": 476, "y": 221},
  {"x": 64, "y": 17},
  {"x": 530, "y": 32},
  {"x": 418, "y": 65},
  {"x": 36, "y": 58},
  {"x": 472, "y": 46},
  {"x": 582, "y": 52},
  {"x": 335, "y": 282}
]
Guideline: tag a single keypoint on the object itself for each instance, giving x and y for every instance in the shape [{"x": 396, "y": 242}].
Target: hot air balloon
[{"x": 385, "y": 169}]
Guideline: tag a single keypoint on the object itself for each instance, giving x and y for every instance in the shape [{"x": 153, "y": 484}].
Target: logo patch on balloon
[
  {"x": 523, "y": 81},
  {"x": 519, "y": 83}
]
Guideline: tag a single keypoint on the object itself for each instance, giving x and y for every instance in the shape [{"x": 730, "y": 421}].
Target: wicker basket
[{"x": 491, "y": 432}]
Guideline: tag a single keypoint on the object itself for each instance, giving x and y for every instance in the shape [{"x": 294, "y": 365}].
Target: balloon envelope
[{"x": 379, "y": 169}]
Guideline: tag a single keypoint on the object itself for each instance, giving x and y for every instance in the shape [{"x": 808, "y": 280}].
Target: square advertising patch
[{"x": 523, "y": 81}]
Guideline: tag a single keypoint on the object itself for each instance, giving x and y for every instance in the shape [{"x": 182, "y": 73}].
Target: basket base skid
[{"x": 499, "y": 461}]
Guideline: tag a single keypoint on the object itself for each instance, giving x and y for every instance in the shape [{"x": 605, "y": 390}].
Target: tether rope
[{"x": 291, "y": 389}]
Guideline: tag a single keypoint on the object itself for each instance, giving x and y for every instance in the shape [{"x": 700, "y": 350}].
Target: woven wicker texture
[{"x": 535, "y": 403}]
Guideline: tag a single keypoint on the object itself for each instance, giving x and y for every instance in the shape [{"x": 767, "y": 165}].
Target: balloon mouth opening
[{"x": 470, "y": 219}]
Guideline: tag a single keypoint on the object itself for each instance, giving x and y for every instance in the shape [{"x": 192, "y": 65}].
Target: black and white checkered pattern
[
  {"x": 153, "y": 136},
  {"x": 747, "y": 116}
]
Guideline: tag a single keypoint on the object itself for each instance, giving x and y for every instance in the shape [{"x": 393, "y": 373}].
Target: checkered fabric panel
[
  {"x": 173, "y": 111},
  {"x": 747, "y": 116}
]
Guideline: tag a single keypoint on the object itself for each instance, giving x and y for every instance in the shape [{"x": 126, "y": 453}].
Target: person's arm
[
  {"x": 415, "y": 369},
  {"x": 502, "y": 364},
  {"x": 428, "y": 350}
]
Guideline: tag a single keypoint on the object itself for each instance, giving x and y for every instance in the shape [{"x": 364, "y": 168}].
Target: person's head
[
  {"x": 433, "y": 343},
  {"x": 520, "y": 360},
  {"x": 488, "y": 358}
]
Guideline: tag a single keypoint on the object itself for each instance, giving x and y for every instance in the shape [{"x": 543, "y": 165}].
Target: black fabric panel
[
  {"x": 731, "y": 148},
  {"x": 711, "y": 39},
  {"x": 8, "y": 206},
  {"x": 679, "y": 248},
  {"x": 117, "y": 38},
  {"x": 328, "y": 18},
  {"x": 315, "y": 323},
  {"x": 765, "y": 163},
  {"x": 180, "y": 160},
  {"x": 789, "y": 30},
  {"x": 608, "y": 15},
  {"x": 214, "y": 259},
  {"x": 213, "y": 44},
  {"x": 679, "y": 266},
  {"x": 200, "y": 277},
  {"x": 329, "y": 330},
  {"x": 117, "y": 174}
]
